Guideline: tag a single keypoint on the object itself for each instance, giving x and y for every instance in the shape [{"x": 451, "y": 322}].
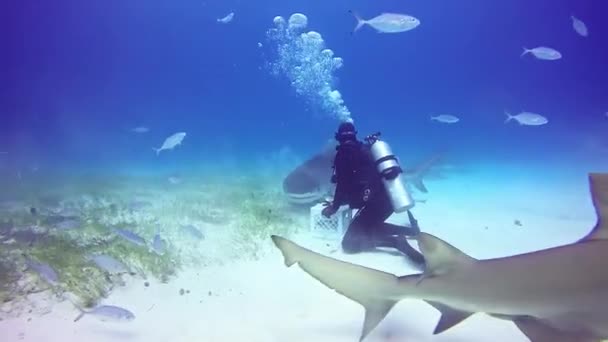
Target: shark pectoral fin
[
  {"x": 449, "y": 317},
  {"x": 537, "y": 331},
  {"x": 598, "y": 182},
  {"x": 440, "y": 256},
  {"x": 417, "y": 182},
  {"x": 374, "y": 314}
]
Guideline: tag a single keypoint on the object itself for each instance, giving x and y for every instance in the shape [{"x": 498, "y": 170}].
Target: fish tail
[
  {"x": 526, "y": 51},
  {"x": 360, "y": 21},
  {"x": 157, "y": 150},
  {"x": 509, "y": 116}
]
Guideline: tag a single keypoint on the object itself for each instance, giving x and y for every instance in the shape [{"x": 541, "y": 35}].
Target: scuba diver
[{"x": 367, "y": 178}]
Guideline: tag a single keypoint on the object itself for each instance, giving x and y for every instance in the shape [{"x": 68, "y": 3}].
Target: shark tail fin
[
  {"x": 421, "y": 170},
  {"x": 598, "y": 183},
  {"x": 526, "y": 51},
  {"x": 355, "y": 282}
]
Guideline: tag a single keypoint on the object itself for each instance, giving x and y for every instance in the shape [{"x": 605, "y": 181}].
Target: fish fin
[
  {"x": 358, "y": 283},
  {"x": 440, "y": 256},
  {"x": 509, "y": 116},
  {"x": 537, "y": 331},
  {"x": 598, "y": 183},
  {"x": 526, "y": 51},
  {"x": 419, "y": 184},
  {"x": 360, "y": 21},
  {"x": 419, "y": 171},
  {"x": 449, "y": 317}
]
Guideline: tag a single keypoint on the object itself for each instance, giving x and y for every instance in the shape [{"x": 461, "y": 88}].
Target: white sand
[{"x": 265, "y": 301}]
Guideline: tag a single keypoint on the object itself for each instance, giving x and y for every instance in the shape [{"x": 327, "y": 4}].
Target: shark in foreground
[{"x": 553, "y": 295}]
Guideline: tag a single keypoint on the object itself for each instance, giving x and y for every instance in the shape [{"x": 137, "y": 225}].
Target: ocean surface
[{"x": 90, "y": 89}]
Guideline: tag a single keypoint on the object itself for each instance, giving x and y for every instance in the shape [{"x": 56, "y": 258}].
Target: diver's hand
[{"x": 329, "y": 210}]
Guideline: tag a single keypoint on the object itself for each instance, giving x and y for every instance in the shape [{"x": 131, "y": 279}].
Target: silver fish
[
  {"x": 68, "y": 223},
  {"x": 543, "y": 52},
  {"x": 140, "y": 129},
  {"x": 159, "y": 245},
  {"x": 171, "y": 142},
  {"x": 107, "y": 313},
  {"x": 388, "y": 22},
  {"x": 579, "y": 26},
  {"x": 45, "y": 271},
  {"x": 108, "y": 264},
  {"x": 527, "y": 118},
  {"x": 228, "y": 18},
  {"x": 445, "y": 118},
  {"x": 130, "y": 236},
  {"x": 193, "y": 231}
]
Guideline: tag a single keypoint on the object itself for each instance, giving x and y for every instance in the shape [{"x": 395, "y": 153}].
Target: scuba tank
[{"x": 388, "y": 166}]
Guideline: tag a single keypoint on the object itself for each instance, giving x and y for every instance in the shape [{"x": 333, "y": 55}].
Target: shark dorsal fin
[
  {"x": 440, "y": 256},
  {"x": 598, "y": 183}
]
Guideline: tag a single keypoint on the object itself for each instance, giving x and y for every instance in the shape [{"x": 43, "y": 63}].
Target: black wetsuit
[{"x": 360, "y": 186}]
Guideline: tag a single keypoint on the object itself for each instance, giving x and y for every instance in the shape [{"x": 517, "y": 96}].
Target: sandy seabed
[{"x": 265, "y": 301}]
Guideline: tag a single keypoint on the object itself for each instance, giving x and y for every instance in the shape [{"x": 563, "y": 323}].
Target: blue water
[{"x": 77, "y": 75}]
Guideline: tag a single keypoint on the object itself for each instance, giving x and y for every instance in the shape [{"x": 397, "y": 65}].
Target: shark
[
  {"x": 310, "y": 181},
  {"x": 555, "y": 294}
]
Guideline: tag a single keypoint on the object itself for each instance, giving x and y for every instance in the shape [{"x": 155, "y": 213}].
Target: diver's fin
[
  {"x": 598, "y": 182},
  {"x": 440, "y": 256},
  {"x": 355, "y": 282},
  {"x": 449, "y": 317}
]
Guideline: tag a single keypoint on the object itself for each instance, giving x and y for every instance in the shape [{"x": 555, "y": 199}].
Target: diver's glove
[{"x": 329, "y": 210}]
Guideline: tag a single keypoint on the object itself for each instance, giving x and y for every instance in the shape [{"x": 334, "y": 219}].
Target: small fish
[
  {"x": 527, "y": 118},
  {"x": 140, "y": 129},
  {"x": 130, "y": 236},
  {"x": 3, "y": 152},
  {"x": 138, "y": 204},
  {"x": 543, "y": 52},
  {"x": 228, "y": 18},
  {"x": 174, "y": 180},
  {"x": 108, "y": 264},
  {"x": 579, "y": 26},
  {"x": 107, "y": 313},
  {"x": 445, "y": 118},
  {"x": 171, "y": 142},
  {"x": 388, "y": 22},
  {"x": 68, "y": 224},
  {"x": 45, "y": 271},
  {"x": 193, "y": 231},
  {"x": 159, "y": 245}
]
